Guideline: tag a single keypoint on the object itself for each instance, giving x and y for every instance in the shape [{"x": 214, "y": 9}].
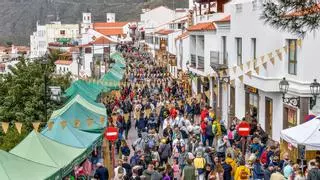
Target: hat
[{"x": 99, "y": 164}]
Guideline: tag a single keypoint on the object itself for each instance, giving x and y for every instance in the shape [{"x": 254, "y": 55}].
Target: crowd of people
[{"x": 179, "y": 136}]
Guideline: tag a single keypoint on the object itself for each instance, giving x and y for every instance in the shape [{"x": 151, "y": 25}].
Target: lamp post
[
  {"x": 284, "y": 87},
  {"x": 315, "y": 91}
]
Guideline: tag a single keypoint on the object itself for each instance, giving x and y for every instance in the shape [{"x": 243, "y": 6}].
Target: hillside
[{"x": 19, "y": 17}]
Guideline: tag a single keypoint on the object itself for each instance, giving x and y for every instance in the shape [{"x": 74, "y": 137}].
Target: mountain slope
[{"x": 19, "y": 17}]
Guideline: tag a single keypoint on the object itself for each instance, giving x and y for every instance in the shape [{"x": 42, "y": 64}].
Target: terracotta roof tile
[
  {"x": 110, "y": 32},
  {"x": 183, "y": 35},
  {"x": 225, "y": 19},
  {"x": 98, "y": 25},
  {"x": 62, "y": 62},
  {"x": 102, "y": 40},
  {"x": 207, "y": 26},
  {"x": 164, "y": 31}
]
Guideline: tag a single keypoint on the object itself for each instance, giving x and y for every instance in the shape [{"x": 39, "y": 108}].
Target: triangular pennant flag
[
  {"x": 234, "y": 69},
  {"x": 50, "y": 125},
  {"x": 5, "y": 126},
  {"x": 241, "y": 78},
  {"x": 299, "y": 43},
  {"x": 270, "y": 55},
  {"x": 63, "y": 124},
  {"x": 285, "y": 48},
  {"x": 221, "y": 73},
  {"x": 232, "y": 82},
  {"x": 77, "y": 123},
  {"x": 248, "y": 64},
  {"x": 89, "y": 122},
  {"x": 36, "y": 126},
  {"x": 18, "y": 126},
  {"x": 265, "y": 65},
  {"x": 207, "y": 93},
  {"x": 102, "y": 119},
  {"x": 272, "y": 61},
  {"x": 241, "y": 67},
  {"x": 262, "y": 59},
  {"x": 257, "y": 69},
  {"x": 279, "y": 53},
  {"x": 249, "y": 73}
]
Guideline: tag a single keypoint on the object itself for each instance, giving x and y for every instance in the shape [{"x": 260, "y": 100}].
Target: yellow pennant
[
  {"x": 234, "y": 69},
  {"x": 232, "y": 82},
  {"x": 89, "y": 122},
  {"x": 248, "y": 64},
  {"x": 50, "y": 125},
  {"x": 249, "y": 73},
  {"x": 5, "y": 127},
  {"x": 241, "y": 78},
  {"x": 272, "y": 61},
  {"x": 77, "y": 123},
  {"x": 207, "y": 93},
  {"x": 279, "y": 53},
  {"x": 299, "y": 43},
  {"x": 270, "y": 55},
  {"x": 36, "y": 126},
  {"x": 265, "y": 65},
  {"x": 18, "y": 126},
  {"x": 257, "y": 70},
  {"x": 63, "y": 124},
  {"x": 102, "y": 119},
  {"x": 241, "y": 67},
  {"x": 285, "y": 48}
]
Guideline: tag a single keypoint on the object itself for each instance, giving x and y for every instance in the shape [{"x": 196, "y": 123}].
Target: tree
[
  {"x": 22, "y": 95},
  {"x": 294, "y": 16}
]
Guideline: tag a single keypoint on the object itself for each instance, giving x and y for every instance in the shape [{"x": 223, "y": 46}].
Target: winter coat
[
  {"x": 314, "y": 174},
  {"x": 164, "y": 151},
  {"x": 257, "y": 171}
]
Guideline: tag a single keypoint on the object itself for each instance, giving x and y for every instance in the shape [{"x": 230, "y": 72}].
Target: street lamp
[
  {"x": 284, "y": 87},
  {"x": 315, "y": 91}
]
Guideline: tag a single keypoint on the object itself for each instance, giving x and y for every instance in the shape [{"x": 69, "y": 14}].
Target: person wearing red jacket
[
  {"x": 204, "y": 113},
  {"x": 173, "y": 113},
  {"x": 203, "y": 126}
]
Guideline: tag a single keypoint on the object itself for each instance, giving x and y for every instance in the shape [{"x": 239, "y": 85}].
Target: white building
[
  {"x": 9, "y": 56},
  {"x": 54, "y": 34},
  {"x": 254, "y": 57}
]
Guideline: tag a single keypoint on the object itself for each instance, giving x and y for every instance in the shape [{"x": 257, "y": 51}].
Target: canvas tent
[
  {"x": 38, "y": 148},
  {"x": 70, "y": 135},
  {"x": 80, "y": 109},
  {"x": 307, "y": 134},
  {"x": 17, "y": 168}
]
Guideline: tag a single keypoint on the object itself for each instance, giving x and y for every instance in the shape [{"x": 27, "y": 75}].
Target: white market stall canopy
[{"x": 307, "y": 134}]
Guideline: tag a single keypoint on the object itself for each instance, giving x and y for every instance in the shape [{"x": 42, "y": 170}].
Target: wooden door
[{"x": 268, "y": 116}]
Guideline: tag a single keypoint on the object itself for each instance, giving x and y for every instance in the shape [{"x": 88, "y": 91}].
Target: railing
[
  {"x": 193, "y": 62},
  {"x": 200, "y": 62}
]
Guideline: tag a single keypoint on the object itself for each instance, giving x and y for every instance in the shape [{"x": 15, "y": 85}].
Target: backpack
[
  {"x": 184, "y": 134},
  {"x": 151, "y": 143},
  {"x": 243, "y": 174}
]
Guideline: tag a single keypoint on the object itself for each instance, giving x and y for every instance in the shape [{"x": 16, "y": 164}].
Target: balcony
[
  {"x": 218, "y": 60},
  {"x": 193, "y": 59},
  {"x": 200, "y": 63}
]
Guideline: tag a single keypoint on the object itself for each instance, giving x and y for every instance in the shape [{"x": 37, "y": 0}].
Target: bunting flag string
[
  {"x": 285, "y": 48},
  {"x": 18, "y": 126},
  {"x": 235, "y": 69},
  {"x": 265, "y": 65},
  {"x": 279, "y": 54},
  {"x": 5, "y": 126},
  {"x": 257, "y": 70},
  {"x": 50, "y": 125},
  {"x": 241, "y": 78},
  {"x": 248, "y": 64},
  {"x": 299, "y": 43},
  {"x": 272, "y": 60},
  {"x": 36, "y": 126},
  {"x": 241, "y": 67}
]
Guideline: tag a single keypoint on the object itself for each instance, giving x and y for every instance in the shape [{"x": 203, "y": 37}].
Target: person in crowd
[
  {"x": 242, "y": 172},
  {"x": 314, "y": 172},
  {"x": 227, "y": 170},
  {"x": 101, "y": 172},
  {"x": 189, "y": 172}
]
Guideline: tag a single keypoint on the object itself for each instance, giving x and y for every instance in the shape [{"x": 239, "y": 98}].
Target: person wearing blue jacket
[
  {"x": 258, "y": 173},
  {"x": 141, "y": 124}
]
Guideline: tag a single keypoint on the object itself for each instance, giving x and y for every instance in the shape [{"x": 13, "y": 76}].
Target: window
[
  {"x": 238, "y": 8},
  {"x": 239, "y": 50},
  {"x": 62, "y": 32},
  {"x": 87, "y": 50},
  {"x": 254, "y": 48},
  {"x": 179, "y": 26},
  {"x": 292, "y": 56}
]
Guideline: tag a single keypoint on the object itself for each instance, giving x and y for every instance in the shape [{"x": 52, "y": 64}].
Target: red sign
[
  {"x": 244, "y": 129},
  {"x": 111, "y": 134}
]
